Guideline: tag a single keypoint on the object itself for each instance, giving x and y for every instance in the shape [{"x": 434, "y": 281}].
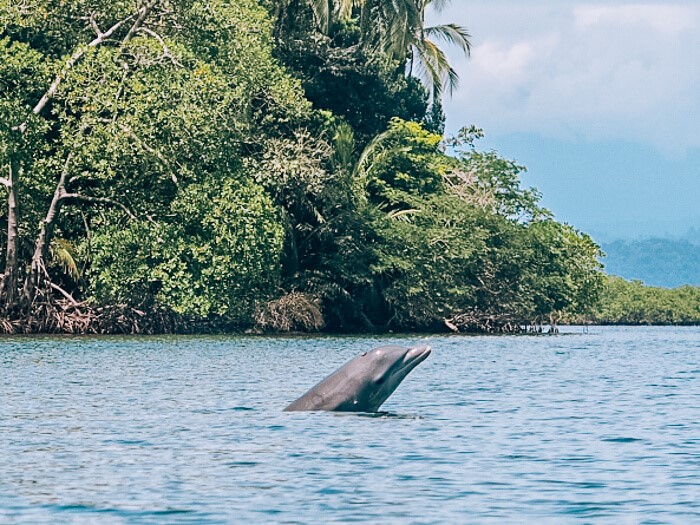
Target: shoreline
[{"x": 338, "y": 334}]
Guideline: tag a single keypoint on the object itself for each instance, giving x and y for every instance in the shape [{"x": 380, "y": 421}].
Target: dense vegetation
[
  {"x": 657, "y": 262},
  {"x": 280, "y": 164},
  {"x": 632, "y": 303}
]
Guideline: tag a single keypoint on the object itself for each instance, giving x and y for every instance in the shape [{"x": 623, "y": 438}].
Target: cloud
[
  {"x": 504, "y": 64},
  {"x": 661, "y": 18},
  {"x": 581, "y": 70}
]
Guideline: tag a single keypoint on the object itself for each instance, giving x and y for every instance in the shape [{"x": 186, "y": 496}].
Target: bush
[{"x": 217, "y": 256}]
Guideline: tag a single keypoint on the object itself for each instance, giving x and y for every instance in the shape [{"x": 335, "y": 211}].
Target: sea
[{"x": 593, "y": 425}]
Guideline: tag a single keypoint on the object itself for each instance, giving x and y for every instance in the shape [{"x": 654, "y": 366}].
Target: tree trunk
[
  {"x": 37, "y": 271},
  {"x": 8, "y": 288}
]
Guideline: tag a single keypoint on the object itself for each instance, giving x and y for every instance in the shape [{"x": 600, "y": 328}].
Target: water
[{"x": 602, "y": 427}]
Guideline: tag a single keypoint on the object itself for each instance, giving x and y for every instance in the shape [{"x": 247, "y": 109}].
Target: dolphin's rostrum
[{"x": 363, "y": 383}]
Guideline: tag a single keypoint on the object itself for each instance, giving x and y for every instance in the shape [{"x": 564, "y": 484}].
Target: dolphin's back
[
  {"x": 363, "y": 383},
  {"x": 332, "y": 393}
]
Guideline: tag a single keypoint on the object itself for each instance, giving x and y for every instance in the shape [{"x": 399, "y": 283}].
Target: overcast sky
[{"x": 600, "y": 100}]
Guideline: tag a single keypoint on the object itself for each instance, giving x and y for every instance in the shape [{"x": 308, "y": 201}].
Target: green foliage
[
  {"x": 217, "y": 255},
  {"x": 23, "y": 75},
  {"x": 327, "y": 233},
  {"x": 179, "y": 167},
  {"x": 630, "y": 302},
  {"x": 427, "y": 261},
  {"x": 406, "y": 159},
  {"x": 340, "y": 76},
  {"x": 460, "y": 235},
  {"x": 56, "y": 28},
  {"x": 563, "y": 274},
  {"x": 150, "y": 133}
]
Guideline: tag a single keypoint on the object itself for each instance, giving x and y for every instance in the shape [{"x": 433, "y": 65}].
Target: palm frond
[
  {"x": 434, "y": 68},
  {"x": 403, "y": 20},
  {"x": 343, "y": 8},
  {"x": 62, "y": 254},
  {"x": 396, "y": 28},
  {"x": 452, "y": 34},
  {"x": 372, "y": 149},
  {"x": 437, "y": 5},
  {"x": 343, "y": 145},
  {"x": 403, "y": 215}
]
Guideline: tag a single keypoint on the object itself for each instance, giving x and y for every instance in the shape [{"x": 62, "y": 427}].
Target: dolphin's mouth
[{"x": 415, "y": 356}]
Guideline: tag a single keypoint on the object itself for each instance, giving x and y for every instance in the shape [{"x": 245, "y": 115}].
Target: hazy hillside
[
  {"x": 693, "y": 235},
  {"x": 656, "y": 262}
]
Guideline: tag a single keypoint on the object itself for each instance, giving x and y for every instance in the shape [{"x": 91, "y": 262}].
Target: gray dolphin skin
[{"x": 363, "y": 383}]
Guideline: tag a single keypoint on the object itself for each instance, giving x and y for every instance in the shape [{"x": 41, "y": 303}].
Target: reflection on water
[{"x": 599, "y": 427}]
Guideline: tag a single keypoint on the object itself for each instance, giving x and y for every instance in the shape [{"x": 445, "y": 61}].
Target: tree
[
  {"x": 459, "y": 240},
  {"x": 633, "y": 303},
  {"x": 339, "y": 75},
  {"x": 23, "y": 74},
  {"x": 139, "y": 116},
  {"x": 563, "y": 275},
  {"x": 396, "y": 29},
  {"x": 216, "y": 256},
  {"x": 428, "y": 61},
  {"x": 18, "y": 146}
]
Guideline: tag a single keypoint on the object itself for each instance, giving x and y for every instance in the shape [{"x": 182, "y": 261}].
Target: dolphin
[{"x": 363, "y": 383}]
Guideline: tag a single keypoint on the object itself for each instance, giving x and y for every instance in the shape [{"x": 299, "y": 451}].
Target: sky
[{"x": 599, "y": 100}]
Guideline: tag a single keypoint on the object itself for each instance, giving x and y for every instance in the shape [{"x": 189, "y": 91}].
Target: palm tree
[
  {"x": 322, "y": 10},
  {"x": 427, "y": 60},
  {"x": 397, "y": 28}
]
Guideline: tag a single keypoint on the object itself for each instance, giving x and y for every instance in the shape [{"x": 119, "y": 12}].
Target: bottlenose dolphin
[{"x": 363, "y": 383}]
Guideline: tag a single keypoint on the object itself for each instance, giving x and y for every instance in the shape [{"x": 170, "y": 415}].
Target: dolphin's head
[{"x": 384, "y": 368}]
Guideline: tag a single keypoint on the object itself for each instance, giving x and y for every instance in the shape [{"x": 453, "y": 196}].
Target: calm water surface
[{"x": 598, "y": 427}]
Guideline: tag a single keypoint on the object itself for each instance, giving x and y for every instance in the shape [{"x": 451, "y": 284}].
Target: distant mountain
[
  {"x": 656, "y": 262},
  {"x": 693, "y": 236}
]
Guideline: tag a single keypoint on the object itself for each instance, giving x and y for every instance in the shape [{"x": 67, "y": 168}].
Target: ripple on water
[{"x": 584, "y": 428}]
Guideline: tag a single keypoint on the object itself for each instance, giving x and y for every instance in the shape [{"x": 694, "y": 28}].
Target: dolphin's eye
[
  {"x": 364, "y": 354},
  {"x": 379, "y": 380}
]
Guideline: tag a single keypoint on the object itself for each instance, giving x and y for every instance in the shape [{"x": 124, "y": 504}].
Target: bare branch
[
  {"x": 77, "y": 55},
  {"x": 152, "y": 151},
  {"x": 451, "y": 326},
  {"x": 64, "y": 173},
  {"x": 166, "y": 51},
  {"x": 38, "y": 268},
  {"x": 143, "y": 13},
  {"x": 65, "y": 294},
  {"x": 103, "y": 200},
  {"x": 94, "y": 25},
  {"x": 6, "y": 182}
]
